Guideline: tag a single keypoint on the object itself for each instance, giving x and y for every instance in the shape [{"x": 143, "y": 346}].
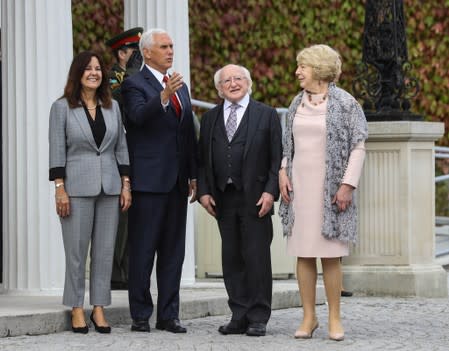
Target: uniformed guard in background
[{"x": 125, "y": 47}]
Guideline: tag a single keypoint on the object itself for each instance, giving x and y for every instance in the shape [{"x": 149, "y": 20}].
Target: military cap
[{"x": 128, "y": 38}]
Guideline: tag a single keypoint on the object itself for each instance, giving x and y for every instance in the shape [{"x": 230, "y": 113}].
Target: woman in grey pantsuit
[{"x": 89, "y": 165}]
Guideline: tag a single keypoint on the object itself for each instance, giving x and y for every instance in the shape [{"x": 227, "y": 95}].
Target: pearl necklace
[
  {"x": 91, "y": 108},
  {"x": 309, "y": 97}
]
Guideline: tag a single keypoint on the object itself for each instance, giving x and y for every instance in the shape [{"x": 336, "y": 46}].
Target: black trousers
[
  {"x": 156, "y": 226},
  {"x": 246, "y": 258}
]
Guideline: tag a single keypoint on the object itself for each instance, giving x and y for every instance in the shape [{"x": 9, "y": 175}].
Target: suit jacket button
[{"x": 98, "y": 153}]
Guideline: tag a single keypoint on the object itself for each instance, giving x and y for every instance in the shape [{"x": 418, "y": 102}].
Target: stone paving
[{"x": 371, "y": 323}]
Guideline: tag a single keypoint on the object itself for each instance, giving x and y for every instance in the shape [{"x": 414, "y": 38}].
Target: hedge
[{"x": 265, "y": 35}]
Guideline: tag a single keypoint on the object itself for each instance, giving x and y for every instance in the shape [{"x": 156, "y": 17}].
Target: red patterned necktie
[{"x": 174, "y": 100}]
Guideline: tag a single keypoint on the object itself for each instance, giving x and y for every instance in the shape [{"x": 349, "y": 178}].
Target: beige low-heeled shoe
[
  {"x": 301, "y": 334},
  {"x": 337, "y": 336}
]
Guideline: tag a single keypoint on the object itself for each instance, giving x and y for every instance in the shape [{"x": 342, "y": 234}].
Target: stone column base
[{"x": 420, "y": 280}]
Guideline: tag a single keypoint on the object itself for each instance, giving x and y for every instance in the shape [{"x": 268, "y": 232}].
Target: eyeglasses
[{"x": 228, "y": 81}]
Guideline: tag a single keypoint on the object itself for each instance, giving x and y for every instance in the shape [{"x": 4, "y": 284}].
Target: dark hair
[
  {"x": 72, "y": 90},
  {"x": 121, "y": 48},
  {"x": 115, "y": 53}
]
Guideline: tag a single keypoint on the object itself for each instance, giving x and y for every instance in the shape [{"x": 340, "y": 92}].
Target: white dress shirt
[
  {"x": 240, "y": 111},
  {"x": 159, "y": 76}
]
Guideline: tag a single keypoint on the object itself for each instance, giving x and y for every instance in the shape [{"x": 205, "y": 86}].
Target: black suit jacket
[
  {"x": 162, "y": 146},
  {"x": 261, "y": 158}
]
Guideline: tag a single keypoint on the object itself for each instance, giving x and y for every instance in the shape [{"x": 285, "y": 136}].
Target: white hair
[
  {"x": 147, "y": 38},
  {"x": 217, "y": 78}
]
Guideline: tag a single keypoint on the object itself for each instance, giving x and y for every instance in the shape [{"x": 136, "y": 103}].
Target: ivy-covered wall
[
  {"x": 265, "y": 35},
  {"x": 94, "y": 22}
]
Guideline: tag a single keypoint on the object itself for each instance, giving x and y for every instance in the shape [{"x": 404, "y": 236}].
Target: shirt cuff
[
  {"x": 123, "y": 170},
  {"x": 284, "y": 162},
  {"x": 165, "y": 105},
  {"x": 56, "y": 172}
]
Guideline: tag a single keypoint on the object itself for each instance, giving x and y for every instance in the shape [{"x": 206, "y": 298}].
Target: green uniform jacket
[{"x": 116, "y": 76}]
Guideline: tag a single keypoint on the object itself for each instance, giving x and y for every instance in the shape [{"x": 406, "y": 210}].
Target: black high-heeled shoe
[
  {"x": 99, "y": 328},
  {"x": 80, "y": 330}
]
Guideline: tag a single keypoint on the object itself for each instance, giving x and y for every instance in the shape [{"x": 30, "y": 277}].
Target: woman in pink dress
[{"x": 323, "y": 158}]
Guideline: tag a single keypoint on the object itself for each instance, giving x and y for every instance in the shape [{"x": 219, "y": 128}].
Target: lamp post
[
  {"x": 383, "y": 81},
  {"x": 396, "y": 252}
]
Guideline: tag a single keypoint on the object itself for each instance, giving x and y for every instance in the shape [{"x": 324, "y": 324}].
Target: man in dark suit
[
  {"x": 240, "y": 155},
  {"x": 162, "y": 152}
]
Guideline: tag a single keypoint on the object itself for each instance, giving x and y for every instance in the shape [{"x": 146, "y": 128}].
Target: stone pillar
[
  {"x": 173, "y": 16},
  {"x": 37, "y": 51},
  {"x": 396, "y": 250}
]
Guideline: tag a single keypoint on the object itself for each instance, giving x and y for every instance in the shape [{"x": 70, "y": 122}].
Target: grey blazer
[{"x": 89, "y": 169}]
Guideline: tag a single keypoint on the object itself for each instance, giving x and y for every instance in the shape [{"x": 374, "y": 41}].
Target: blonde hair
[{"x": 325, "y": 62}]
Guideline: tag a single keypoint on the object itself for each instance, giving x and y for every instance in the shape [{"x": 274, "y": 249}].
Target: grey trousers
[{"x": 92, "y": 220}]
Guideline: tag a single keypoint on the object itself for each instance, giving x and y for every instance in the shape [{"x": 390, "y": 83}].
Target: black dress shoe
[
  {"x": 140, "y": 325},
  {"x": 233, "y": 327},
  {"x": 256, "y": 329},
  {"x": 346, "y": 293},
  {"x": 171, "y": 325},
  {"x": 99, "y": 328}
]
